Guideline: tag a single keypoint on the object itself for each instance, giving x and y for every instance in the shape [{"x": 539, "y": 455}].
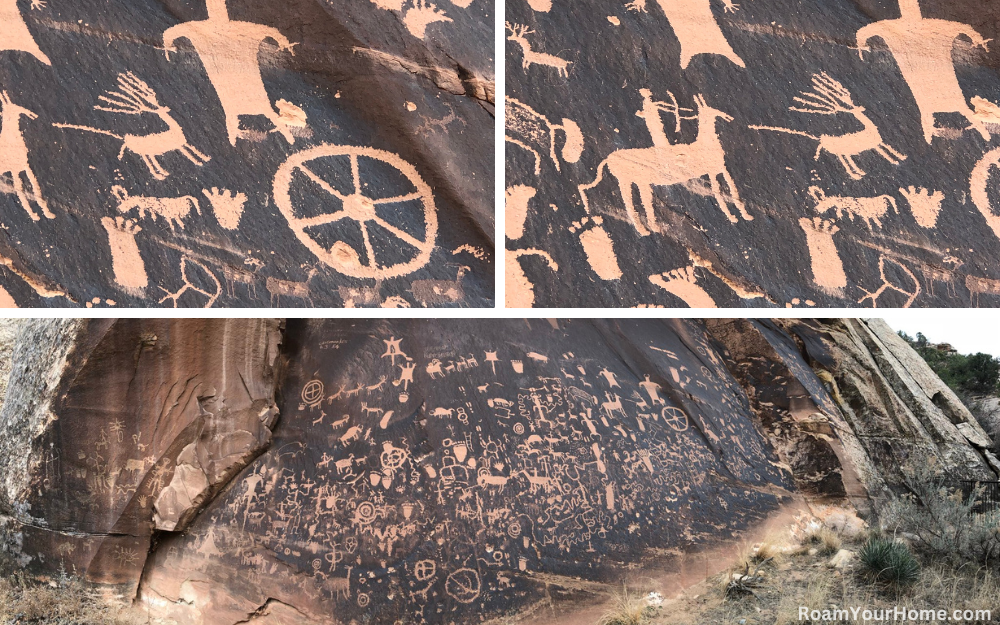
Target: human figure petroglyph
[
  {"x": 135, "y": 97},
  {"x": 173, "y": 210},
  {"x": 518, "y": 34},
  {"x": 126, "y": 262},
  {"x": 923, "y": 51},
  {"x": 870, "y": 210},
  {"x": 980, "y": 186},
  {"x": 227, "y": 206},
  {"x": 924, "y": 205},
  {"x": 527, "y": 128},
  {"x": 652, "y": 389},
  {"x": 14, "y": 33},
  {"x": 212, "y": 293},
  {"x": 520, "y": 291},
  {"x": 405, "y": 375},
  {"x": 598, "y": 247},
  {"x": 671, "y": 165},
  {"x": 910, "y": 291},
  {"x": 229, "y": 51},
  {"x": 829, "y": 97},
  {"x": 827, "y": 268},
  {"x": 683, "y": 283},
  {"x": 289, "y": 288},
  {"x": 695, "y": 27},
  {"x": 14, "y": 155},
  {"x": 437, "y": 292},
  {"x": 392, "y": 350},
  {"x": 611, "y": 406}
]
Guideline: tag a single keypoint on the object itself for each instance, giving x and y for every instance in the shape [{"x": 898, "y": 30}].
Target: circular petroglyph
[{"x": 463, "y": 585}]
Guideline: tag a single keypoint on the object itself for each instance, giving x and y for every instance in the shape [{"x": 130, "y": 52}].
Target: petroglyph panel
[
  {"x": 709, "y": 153},
  {"x": 222, "y": 153}
]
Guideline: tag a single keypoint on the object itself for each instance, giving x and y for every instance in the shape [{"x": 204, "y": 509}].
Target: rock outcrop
[
  {"x": 247, "y": 154},
  {"x": 338, "y": 471},
  {"x": 757, "y": 153}
]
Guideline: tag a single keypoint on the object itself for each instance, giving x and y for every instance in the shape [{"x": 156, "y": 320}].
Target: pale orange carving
[
  {"x": 516, "y": 211},
  {"x": 421, "y": 15},
  {"x": 598, "y": 247},
  {"x": 889, "y": 285},
  {"x": 695, "y": 27},
  {"x": 987, "y": 112},
  {"x": 925, "y": 205},
  {"x": 14, "y": 155},
  {"x": 530, "y": 130},
  {"x": 126, "y": 262},
  {"x": 651, "y": 112},
  {"x": 827, "y": 268},
  {"x": 979, "y": 184},
  {"x": 6, "y": 301},
  {"x": 186, "y": 265},
  {"x": 360, "y": 208},
  {"x": 870, "y": 210},
  {"x": 439, "y": 292},
  {"x": 670, "y": 165},
  {"x": 518, "y": 34},
  {"x": 135, "y": 98},
  {"x": 981, "y": 286},
  {"x": 683, "y": 283},
  {"x": 173, "y": 210},
  {"x": 228, "y": 206},
  {"x": 923, "y": 50},
  {"x": 301, "y": 290},
  {"x": 542, "y": 6},
  {"x": 830, "y": 98},
  {"x": 229, "y": 50},
  {"x": 520, "y": 293},
  {"x": 14, "y": 33}
]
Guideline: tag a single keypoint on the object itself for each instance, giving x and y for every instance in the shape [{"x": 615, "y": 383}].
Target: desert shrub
[
  {"x": 826, "y": 540},
  {"x": 887, "y": 561},
  {"x": 943, "y": 521},
  {"x": 628, "y": 607}
]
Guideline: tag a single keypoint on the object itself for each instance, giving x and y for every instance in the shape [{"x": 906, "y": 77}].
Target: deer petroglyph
[
  {"x": 870, "y": 210},
  {"x": 173, "y": 210},
  {"x": 518, "y": 34}
]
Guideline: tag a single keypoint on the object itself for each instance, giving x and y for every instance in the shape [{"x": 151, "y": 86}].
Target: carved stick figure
[{"x": 229, "y": 50}]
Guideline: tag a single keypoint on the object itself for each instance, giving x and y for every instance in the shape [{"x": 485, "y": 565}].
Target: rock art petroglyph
[
  {"x": 14, "y": 155},
  {"x": 870, "y": 210},
  {"x": 516, "y": 212},
  {"x": 227, "y": 206},
  {"x": 683, "y": 283},
  {"x": 981, "y": 286},
  {"x": 135, "y": 97},
  {"x": 925, "y": 205},
  {"x": 532, "y": 131},
  {"x": 361, "y": 210},
  {"x": 827, "y": 268},
  {"x": 14, "y": 33},
  {"x": 670, "y": 165},
  {"x": 829, "y": 97},
  {"x": 922, "y": 48},
  {"x": 288, "y": 288},
  {"x": 520, "y": 291},
  {"x": 421, "y": 15},
  {"x": 437, "y": 292},
  {"x": 204, "y": 284},
  {"x": 695, "y": 27},
  {"x": 901, "y": 273},
  {"x": 229, "y": 50},
  {"x": 173, "y": 210},
  {"x": 598, "y": 247},
  {"x": 127, "y": 264},
  {"x": 980, "y": 187},
  {"x": 519, "y": 35}
]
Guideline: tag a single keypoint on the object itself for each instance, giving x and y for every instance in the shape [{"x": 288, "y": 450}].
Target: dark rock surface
[
  {"x": 204, "y": 205},
  {"x": 438, "y": 471},
  {"x": 883, "y": 194}
]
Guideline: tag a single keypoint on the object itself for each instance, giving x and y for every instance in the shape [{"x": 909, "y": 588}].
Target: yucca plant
[{"x": 888, "y": 561}]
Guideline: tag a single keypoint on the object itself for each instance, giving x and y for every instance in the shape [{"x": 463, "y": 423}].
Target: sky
[{"x": 968, "y": 331}]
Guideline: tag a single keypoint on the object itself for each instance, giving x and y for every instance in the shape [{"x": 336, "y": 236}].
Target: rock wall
[{"x": 444, "y": 471}]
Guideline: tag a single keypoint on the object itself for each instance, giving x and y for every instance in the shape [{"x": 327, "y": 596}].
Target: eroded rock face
[
  {"x": 453, "y": 470},
  {"x": 750, "y": 154},
  {"x": 234, "y": 153}
]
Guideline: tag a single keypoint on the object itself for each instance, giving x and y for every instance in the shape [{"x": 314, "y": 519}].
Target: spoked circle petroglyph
[
  {"x": 675, "y": 418},
  {"x": 362, "y": 210}
]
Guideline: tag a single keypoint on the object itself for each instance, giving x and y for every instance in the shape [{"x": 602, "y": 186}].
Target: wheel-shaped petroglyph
[
  {"x": 424, "y": 570},
  {"x": 312, "y": 392},
  {"x": 675, "y": 418},
  {"x": 386, "y": 249},
  {"x": 463, "y": 585}
]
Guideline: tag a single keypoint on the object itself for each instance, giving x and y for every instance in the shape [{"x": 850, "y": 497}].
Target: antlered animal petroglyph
[
  {"x": 229, "y": 51},
  {"x": 695, "y": 27},
  {"x": 421, "y": 15},
  {"x": 830, "y": 98},
  {"x": 14, "y": 155},
  {"x": 520, "y": 291},
  {"x": 361, "y": 209},
  {"x": 126, "y": 262},
  {"x": 135, "y": 98},
  {"x": 14, "y": 33},
  {"x": 683, "y": 283},
  {"x": 924, "y": 204},
  {"x": 923, "y": 51},
  {"x": 870, "y": 210},
  {"x": 827, "y": 268},
  {"x": 670, "y": 165},
  {"x": 173, "y": 210},
  {"x": 981, "y": 286},
  {"x": 527, "y": 128},
  {"x": 518, "y": 34},
  {"x": 288, "y": 288}
]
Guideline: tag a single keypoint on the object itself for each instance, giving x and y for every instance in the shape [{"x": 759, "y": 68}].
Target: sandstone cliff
[{"x": 439, "y": 471}]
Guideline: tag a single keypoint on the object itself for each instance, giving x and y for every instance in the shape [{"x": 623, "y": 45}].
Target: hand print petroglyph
[
  {"x": 229, "y": 51},
  {"x": 695, "y": 27},
  {"x": 670, "y": 165},
  {"x": 925, "y": 205},
  {"x": 173, "y": 210},
  {"x": 829, "y": 97},
  {"x": 14, "y": 155},
  {"x": 520, "y": 291},
  {"x": 683, "y": 283},
  {"x": 923, "y": 52},
  {"x": 358, "y": 208},
  {"x": 518, "y": 34},
  {"x": 14, "y": 33},
  {"x": 126, "y": 262},
  {"x": 227, "y": 206},
  {"x": 870, "y": 210},
  {"x": 530, "y": 130},
  {"x": 135, "y": 97},
  {"x": 827, "y": 268}
]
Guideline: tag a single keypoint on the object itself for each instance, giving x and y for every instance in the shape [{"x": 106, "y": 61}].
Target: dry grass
[
  {"x": 628, "y": 607},
  {"x": 69, "y": 603},
  {"x": 827, "y": 541}
]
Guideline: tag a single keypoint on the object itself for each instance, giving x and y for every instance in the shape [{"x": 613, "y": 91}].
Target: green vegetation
[
  {"x": 888, "y": 561},
  {"x": 967, "y": 375}
]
